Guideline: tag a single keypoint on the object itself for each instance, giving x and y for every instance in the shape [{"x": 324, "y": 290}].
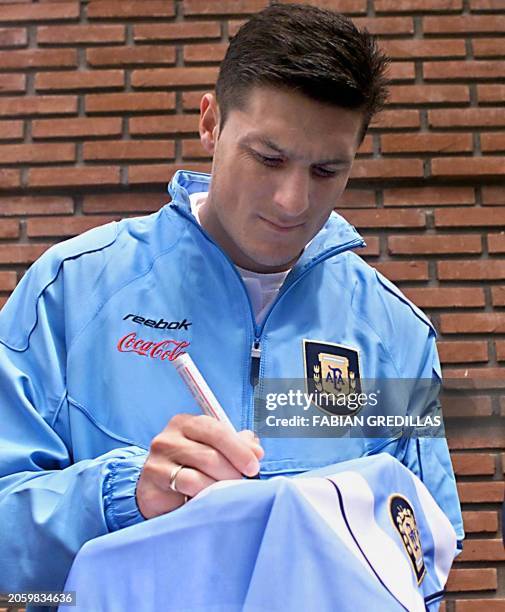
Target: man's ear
[{"x": 209, "y": 122}]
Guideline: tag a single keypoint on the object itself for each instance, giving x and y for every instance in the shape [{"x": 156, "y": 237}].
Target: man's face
[{"x": 280, "y": 165}]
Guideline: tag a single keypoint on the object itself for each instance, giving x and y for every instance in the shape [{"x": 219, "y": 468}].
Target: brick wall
[{"x": 98, "y": 107}]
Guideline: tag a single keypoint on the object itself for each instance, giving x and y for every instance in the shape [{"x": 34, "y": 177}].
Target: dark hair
[{"x": 315, "y": 51}]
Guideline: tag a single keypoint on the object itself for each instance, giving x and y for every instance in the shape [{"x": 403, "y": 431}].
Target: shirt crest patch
[
  {"x": 332, "y": 374},
  {"x": 405, "y": 523}
]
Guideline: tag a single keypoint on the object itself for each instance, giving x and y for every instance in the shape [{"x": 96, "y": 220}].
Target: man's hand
[{"x": 209, "y": 451}]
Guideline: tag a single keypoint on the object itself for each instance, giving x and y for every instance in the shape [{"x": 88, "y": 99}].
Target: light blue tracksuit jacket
[{"x": 86, "y": 380}]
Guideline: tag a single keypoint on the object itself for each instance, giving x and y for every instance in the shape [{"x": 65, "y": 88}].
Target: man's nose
[{"x": 292, "y": 193}]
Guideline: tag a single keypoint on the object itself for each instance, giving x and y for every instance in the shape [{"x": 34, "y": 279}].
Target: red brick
[
  {"x": 431, "y": 143},
  {"x": 212, "y": 52},
  {"x": 144, "y": 54},
  {"x": 446, "y": 297},
  {"x": 491, "y": 93},
  {"x": 486, "y": 5},
  {"x": 193, "y": 149},
  {"x": 479, "y": 605},
  {"x": 82, "y": 127},
  {"x": 130, "y": 102},
  {"x": 8, "y": 281},
  {"x": 63, "y": 226},
  {"x": 13, "y": 37},
  {"x": 471, "y": 270},
  {"x": 38, "y": 58},
  {"x": 160, "y": 173},
  {"x": 494, "y": 142},
  {"x": 50, "y": 11},
  {"x": 12, "y": 83},
  {"x": 493, "y": 196},
  {"x": 466, "y": 117},
  {"x": 79, "y": 80},
  {"x": 403, "y": 270},
  {"x": 480, "y": 521},
  {"x": 396, "y": 119},
  {"x": 164, "y": 124},
  {"x": 21, "y": 253},
  {"x": 225, "y": 7},
  {"x": 385, "y": 218},
  {"x": 423, "y": 6},
  {"x": 464, "y": 70},
  {"x": 472, "y": 378},
  {"x": 366, "y": 147},
  {"x": 342, "y": 6},
  {"x": 496, "y": 242},
  {"x": 464, "y": 24},
  {"x": 429, "y": 196},
  {"x": 356, "y": 198},
  {"x": 498, "y": 295},
  {"x": 9, "y": 228},
  {"x": 483, "y": 550},
  {"x": 500, "y": 350},
  {"x": 127, "y": 9},
  {"x": 467, "y": 406},
  {"x": 480, "y": 492},
  {"x": 401, "y": 71},
  {"x": 26, "y": 205},
  {"x": 387, "y": 168},
  {"x": 372, "y": 248},
  {"x": 427, "y": 244},
  {"x": 36, "y": 153},
  {"x": 75, "y": 34},
  {"x": 475, "y": 323},
  {"x": 73, "y": 177},
  {"x": 129, "y": 149},
  {"x": 38, "y": 105},
  {"x": 463, "y": 352},
  {"x": 473, "y": 464},
  {"x": 488, "y": 47},
  {"x": 429, "y": 94},
  {"x": 476, "y": 437},
  {"x": 128, "y": 202},
  {"x": 171, "y": 77},
  {"x": 191, "y": 99},
  {"x": 468, "y": 166},
  {"x": 386, "y": 25},
  {"x": 469, "y": 217},
  {"x": 474, "y": 579},
  {"x": 9, "y": 179},
  {"x": 417, "y": 48},
  {"x": 176, "y": 31}
]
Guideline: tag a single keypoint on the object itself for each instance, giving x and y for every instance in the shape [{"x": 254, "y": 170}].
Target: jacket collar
[{"x": 336, "y": 233}]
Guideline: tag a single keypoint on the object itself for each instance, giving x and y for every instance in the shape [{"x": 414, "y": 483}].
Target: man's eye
[
  {"x": 266, "y": 160},
  {"x": 323, "y": 172}
]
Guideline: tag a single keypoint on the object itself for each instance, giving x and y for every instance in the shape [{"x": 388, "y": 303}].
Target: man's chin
[{"x": 270, "y": 263}]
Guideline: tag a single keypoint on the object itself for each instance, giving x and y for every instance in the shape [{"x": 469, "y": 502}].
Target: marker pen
[{"x": 200, "y": 390}]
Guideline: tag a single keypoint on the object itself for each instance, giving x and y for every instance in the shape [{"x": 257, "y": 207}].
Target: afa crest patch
[
  {"x": 404, "y": 520},
  {"x": 332, "y": 374}
]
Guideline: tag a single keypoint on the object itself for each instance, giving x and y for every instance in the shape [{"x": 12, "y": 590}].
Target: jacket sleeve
[
  {"x": 49, "y": 505},
  {"x": 411, "y": 341},
  {"x": 427, "y": 456}
]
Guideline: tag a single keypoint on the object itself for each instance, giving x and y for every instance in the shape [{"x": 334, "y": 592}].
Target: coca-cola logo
[{"x": 165, "y": 350}]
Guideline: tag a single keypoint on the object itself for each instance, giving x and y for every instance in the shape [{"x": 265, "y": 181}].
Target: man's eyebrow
[{"x": 271, "y": 145}]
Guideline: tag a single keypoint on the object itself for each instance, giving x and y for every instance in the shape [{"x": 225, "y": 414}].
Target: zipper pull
[{"x": 255, "y": 362}]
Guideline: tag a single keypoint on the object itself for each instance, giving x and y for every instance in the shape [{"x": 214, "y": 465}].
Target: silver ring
[{"x": 173, "y": 475}]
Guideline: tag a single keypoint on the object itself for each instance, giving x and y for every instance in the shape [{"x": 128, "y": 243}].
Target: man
[{"x": 248, "y": 273}]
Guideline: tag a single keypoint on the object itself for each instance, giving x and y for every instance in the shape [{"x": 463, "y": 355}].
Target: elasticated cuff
[{"x": 120, "y": 505}]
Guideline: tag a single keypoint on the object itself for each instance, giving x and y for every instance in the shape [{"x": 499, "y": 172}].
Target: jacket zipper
[{"x": 255, "y": 355}]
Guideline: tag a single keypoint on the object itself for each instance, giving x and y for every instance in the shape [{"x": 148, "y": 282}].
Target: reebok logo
[{"x": 161, "y": 324}]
